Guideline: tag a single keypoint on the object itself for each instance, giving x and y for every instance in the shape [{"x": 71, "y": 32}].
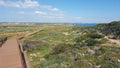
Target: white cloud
[
  {"x": 40, "y": 12},
  {"x": 1, "y": 2},
  {"x": 57, "y": 15},
  {"x": 21, "y": 12},
  {"x": 55, "y": 9},
  {"x": 78, "y": 17},
  {"x": 51, "y": 13},
  {"x": 53, "y": 17},
  {"x": 20, "y": 4},
  {"x": 49, "y": 8},
  {"x": 27, "y": 4}
]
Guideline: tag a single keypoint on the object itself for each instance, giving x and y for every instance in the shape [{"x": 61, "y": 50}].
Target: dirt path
[{"x": 113, "y": 40}]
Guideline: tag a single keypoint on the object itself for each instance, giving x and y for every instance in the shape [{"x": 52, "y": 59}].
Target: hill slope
[{"x": 111, "y": 29}]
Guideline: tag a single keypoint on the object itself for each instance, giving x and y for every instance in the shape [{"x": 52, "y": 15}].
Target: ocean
[{"x": 84, "y": 24}]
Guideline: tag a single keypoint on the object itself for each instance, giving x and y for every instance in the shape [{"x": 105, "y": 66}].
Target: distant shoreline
[
  {"x": 85, "y": 24},
  {"x": 73, "y": 24}
]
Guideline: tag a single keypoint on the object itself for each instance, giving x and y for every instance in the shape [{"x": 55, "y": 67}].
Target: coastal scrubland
[
  {"x": 14, "y": 30},
  {"x": 67, "y": 46}
]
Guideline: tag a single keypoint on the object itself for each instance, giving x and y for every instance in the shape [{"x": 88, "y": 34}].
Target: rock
[
  {"x": 119, "y": 60},
  {"x": 97, "y": 66},
  {"x": 90, "y": 51},
  {"x": 66, "y": 33}
]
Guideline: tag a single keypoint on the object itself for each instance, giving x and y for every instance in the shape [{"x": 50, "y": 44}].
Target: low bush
[
  {"x": 58, "y": 49},
  {"x": 93, "y": 35},
  {"x": 32, "y": 45},
  {"x": 2, "y": 40},
  {"x": 90, "y": 42}
]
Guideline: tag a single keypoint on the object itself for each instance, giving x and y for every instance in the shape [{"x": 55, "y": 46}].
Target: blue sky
[{"x": 71, "y": 11}]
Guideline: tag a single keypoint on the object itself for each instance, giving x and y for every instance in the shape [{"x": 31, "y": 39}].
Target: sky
[{"x": 60, "y": 11}]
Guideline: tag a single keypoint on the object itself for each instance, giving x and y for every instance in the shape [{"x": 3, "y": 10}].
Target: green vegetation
[
  {"x": 10, "y": 30},
  {"x": 66, "y": 46},
  {"x": 2, "y": 40},
  {"x": 111, "y": 29},
  {"x": 14, "y": 28}
]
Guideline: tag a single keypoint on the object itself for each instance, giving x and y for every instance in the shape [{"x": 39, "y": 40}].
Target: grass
[
  {"x": 13, "y": 30},
  {"x": 62, "y": 51},
  {"x": 52, "y": 35},
  {"x": 65, "y": 46}
]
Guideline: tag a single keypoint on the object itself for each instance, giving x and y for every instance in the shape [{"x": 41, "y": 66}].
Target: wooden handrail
[{"x": 23, "y": 53}]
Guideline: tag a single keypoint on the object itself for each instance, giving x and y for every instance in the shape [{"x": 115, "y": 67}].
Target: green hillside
[{"x": 111, "y": 29}]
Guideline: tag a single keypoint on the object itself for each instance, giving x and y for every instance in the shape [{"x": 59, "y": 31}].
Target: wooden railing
[
  {"x": 23, "y": 53},
  {"x": 23, "y": 56}
]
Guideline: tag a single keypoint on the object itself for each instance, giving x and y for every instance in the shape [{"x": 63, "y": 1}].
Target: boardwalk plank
[{"x": 10, "y": 56}]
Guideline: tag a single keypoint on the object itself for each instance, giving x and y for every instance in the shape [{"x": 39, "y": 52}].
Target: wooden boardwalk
[{"x": 10, "y": 55}]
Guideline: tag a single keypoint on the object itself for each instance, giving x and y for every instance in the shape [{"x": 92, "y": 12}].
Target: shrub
[
  {"x": 112, "y": 29},
  {"x": 58, "y": 49},
  {"x": 90, "y": 42},
  {"x": 92, "y": 35},
  {"x": 103, "y": 40},
  {"x": 31, "y": 45},
  {"x": 2, "y": 40},
  {"x": 108, "y": 62}
]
